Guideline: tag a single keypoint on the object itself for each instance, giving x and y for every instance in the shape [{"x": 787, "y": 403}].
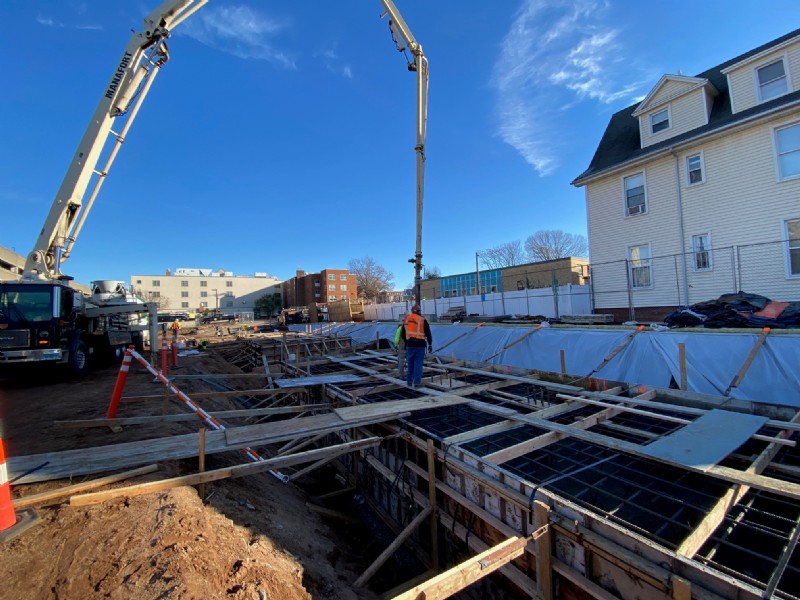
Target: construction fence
[
  {"x": 553, "y": 302},
  {"x": 770, "y": 269}
]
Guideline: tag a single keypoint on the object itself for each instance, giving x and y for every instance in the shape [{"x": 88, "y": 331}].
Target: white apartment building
[
  {"x": 695, "y": 191},
  {"x": 198, "y": 290}
]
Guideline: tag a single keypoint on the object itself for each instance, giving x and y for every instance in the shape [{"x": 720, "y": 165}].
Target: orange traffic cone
[
  {"x": 11, "y": 523},
  {"x": 8, "y": 517}
]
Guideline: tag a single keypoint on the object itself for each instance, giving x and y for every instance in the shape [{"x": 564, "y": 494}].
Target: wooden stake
[
  {"x": 201, "y": 462},
  {"x": 432, "y": 500},
  {"x": 544, "y": 550},
  {"x": 682, "y": 364},
  {"x": 563, "y": 362}
]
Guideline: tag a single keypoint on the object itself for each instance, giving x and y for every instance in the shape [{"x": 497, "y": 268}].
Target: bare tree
[
  {"x": 505, "y": 255},
  {"x": 431, "y": 273},
  {"x": 372, "y": 279},
  {"x": 550, "y": 244}
]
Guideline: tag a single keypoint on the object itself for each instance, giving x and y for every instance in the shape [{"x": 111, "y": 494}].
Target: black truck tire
[{"x": 79, "y": 359}]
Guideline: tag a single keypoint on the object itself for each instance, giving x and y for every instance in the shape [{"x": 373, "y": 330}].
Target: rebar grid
[{"x": 753, "y": 538}]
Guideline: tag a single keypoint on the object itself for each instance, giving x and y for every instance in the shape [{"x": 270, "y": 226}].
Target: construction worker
[
  {"x": 176, "y": 329},
  {"x": 417, "y": 335},
  {"x": 400, "y": 345}
]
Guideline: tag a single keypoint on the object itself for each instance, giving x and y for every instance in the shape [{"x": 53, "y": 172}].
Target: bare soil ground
[{"x": 253, "y": 538}]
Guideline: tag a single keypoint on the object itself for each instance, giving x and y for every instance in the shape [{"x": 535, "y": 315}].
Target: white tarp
[{"x": 651, "y": 357}]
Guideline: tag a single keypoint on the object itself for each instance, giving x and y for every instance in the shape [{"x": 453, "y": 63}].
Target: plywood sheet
[
  {"x": 318, "y": 380},
  {"x": 704, "y": 442}
]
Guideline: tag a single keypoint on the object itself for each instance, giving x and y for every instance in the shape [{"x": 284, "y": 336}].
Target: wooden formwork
[{"x": 482, "y": 499}]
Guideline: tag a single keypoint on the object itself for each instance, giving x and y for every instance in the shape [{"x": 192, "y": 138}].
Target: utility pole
[{"x": 477, "y": 276}]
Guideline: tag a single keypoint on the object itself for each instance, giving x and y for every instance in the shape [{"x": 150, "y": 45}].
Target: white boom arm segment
[
  {"x": 144, "y": 55},
  {"x": 402, "y": 34}
]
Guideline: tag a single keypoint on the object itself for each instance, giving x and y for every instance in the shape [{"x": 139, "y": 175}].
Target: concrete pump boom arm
[
  {"x": 144, "y": 55},
  {"x": 402, "y": 34}
]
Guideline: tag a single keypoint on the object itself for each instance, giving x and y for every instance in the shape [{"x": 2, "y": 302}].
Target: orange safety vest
[{"x": 415, "y": 326}]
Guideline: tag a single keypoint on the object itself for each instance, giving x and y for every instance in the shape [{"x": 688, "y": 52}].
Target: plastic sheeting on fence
[{"x": 650, "y": 358}]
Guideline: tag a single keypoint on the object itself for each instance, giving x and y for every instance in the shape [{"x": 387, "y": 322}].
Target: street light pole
[
  {"x": 477, "y": 276},
  {"x": 216, "y": 299}
]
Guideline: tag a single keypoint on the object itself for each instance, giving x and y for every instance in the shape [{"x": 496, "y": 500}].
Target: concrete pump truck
[{"x": 43, "y": 319}]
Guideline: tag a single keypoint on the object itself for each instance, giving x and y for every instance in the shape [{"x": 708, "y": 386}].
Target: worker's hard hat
[{"x": 416, "y": 308}]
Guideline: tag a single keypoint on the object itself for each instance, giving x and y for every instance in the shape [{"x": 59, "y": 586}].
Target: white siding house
[{"x": 695, "y": 191}]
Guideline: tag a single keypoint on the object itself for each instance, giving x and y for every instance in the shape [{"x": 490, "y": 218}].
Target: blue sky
[{"x": 280, "y": 135}]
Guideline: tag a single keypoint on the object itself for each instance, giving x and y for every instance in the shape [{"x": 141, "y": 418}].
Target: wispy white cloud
[
  {"x": 332, "y": 62},
  {"x": 556, "y": 54},
  {"x": 239, "y": 30}
]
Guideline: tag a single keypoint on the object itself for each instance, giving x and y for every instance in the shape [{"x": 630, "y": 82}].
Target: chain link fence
[{"x": 770, "y": 269}]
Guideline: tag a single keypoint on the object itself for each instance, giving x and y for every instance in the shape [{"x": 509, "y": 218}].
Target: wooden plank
[
  {"x": 506, "y": 454},
  {"x": 57, "y": 494},
  {"x": 224, "y": 473},
  {"x": 391, "y": 548},
  {"x": 227, "y": 394},
  {"x": 407, "y": 585},
  {"x": 100, "y": 459},
  {"x": 222, "y": 414},
  {"x": 394, "y": 406},
  {"x": 280, "y": 431},
  {"x": 315, "y": 380},
  {"x": 468, "y": 572}
]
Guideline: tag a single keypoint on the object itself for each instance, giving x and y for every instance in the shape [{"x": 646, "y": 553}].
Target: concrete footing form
[{"x": 624, "y": 490}]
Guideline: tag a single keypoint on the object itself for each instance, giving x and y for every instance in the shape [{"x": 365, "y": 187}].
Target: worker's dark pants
[{"x": 416, "y": 356}]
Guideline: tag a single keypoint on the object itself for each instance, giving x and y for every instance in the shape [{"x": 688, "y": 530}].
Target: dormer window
[
  {"x": 772, "y": 80},
  {"x": 659, "y": 121}
]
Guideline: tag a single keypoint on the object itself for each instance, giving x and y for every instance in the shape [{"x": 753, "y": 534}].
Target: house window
[
  {"x": 229, "y": 303},
  {"x": 343, "y": 287},
  {"x": 138, "y": 282},
  {"x": 343, "y": 277},
  {"x": 635, "y": 201},
  {"x": 316, "y": 294},
  {"x": 156, "y": 294},
  {"x": 204, "y": 305},
  {"x": 203, "y": 284},
  {"x": 494, "y": 289},
  {"x": 446, "y": 294},
  {"x": 228, "y": 284},
  {"x": 659, "y": 121},
  {"x": 184, "y": 294},
  {"x": 156, "y": 283},
  {"x": 772, "y": 80},
  {"x": 184, "y": 283},
  {"x": 332, "y": 297},
  {"x": 701, "y": 252},
  {"x": 332, "y": 277},
  {"x": 520, "y": 284},
  {"x": 639, "y": 260},
  {"x": 787, "y": 144},
  {"x": 332, "y": 287},
  {"x": 316, "y": 284},
  {"x": 694, "y": 169},
  {"x": 793, "y": 247},
  {"x": 204, "y": 294},
  {"x": 184, "y": 305}
]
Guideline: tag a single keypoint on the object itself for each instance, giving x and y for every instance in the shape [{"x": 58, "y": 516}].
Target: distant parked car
[{"x": 216, "y": 318}]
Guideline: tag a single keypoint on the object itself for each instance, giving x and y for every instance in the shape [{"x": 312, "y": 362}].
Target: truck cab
[{"x": 35, "y": 319}]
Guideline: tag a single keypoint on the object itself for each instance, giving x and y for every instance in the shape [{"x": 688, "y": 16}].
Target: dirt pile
[{"x": 253, "y": 538}]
